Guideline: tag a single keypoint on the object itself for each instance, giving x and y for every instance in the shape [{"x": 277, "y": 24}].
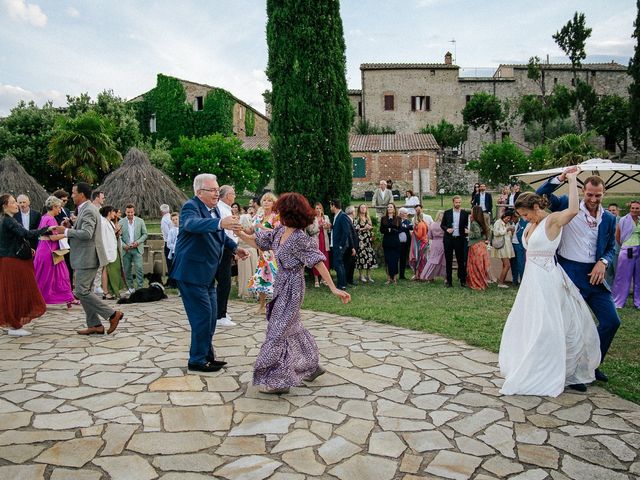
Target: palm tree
[
  {"x": 573, "y": 148},
  {"x": 82, "y": 147}
]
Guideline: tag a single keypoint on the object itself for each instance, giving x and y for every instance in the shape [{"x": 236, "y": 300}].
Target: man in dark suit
[
  {"x": 455, "y": 223},
  {"x": 586, "y": 249},
  {"x": 484, "y": 199},
  {"x": 351, "y": 252},
  {"x": 340, "y": 239},
  {"x": 27, "y": 217},
  {"x": 513, "y": 196},
  {"x": 199, "y": 249}
]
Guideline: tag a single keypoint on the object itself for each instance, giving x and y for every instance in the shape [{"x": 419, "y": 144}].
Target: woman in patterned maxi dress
[{"x": 289, "y": 354}]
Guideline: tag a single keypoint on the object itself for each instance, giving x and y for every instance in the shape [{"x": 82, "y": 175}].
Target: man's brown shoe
[
  {"x": 99, "y": 330},
  {"x": 114, "y": 321}
]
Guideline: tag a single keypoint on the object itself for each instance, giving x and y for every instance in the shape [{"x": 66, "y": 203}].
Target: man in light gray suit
[
  {"x": 87, "y": 255},
  {"x": 133, "y": 235}
]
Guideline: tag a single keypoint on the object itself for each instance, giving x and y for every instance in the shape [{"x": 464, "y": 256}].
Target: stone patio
[{"x": 395, "y": 404}]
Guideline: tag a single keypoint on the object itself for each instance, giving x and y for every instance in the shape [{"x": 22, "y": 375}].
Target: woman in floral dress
[
  {"x": 366, "y": 258},
  {"x": 261, "y": 283},
  {"x": 289, "y": 354}
]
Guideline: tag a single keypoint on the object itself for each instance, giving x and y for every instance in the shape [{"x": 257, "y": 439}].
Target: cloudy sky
[{"x": 50, "y": 48}]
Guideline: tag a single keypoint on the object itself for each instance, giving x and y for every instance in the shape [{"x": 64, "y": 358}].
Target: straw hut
[
  {"x": 140, "y": 183},
  {"x": 15, "y": 180}
]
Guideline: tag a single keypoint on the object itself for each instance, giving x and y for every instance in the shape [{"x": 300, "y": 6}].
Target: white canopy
[{"x": 618, "y": 177}]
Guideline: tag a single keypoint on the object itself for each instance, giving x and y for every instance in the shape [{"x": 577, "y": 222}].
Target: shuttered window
[{"x": 359, "y": 167}]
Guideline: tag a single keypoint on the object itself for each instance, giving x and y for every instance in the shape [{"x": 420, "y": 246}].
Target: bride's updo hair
[{"x": 529, "y": 199}]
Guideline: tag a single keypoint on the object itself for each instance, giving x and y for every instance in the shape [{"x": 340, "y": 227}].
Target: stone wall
[
  {"x": 401, "y": 168},
  {"x": 449, "y": 93}
]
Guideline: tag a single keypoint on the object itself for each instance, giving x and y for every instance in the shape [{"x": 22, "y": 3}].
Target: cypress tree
[
  {"x": 634, "y": 88},
  {"x": 311, "y": 115}
]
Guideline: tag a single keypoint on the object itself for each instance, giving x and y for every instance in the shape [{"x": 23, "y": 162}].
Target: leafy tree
[
  {"x": 82, "y": 147},
  {"x": 634, "y": 88},
  {"x": 214, "y": 153},
  {"x": 122, "y": 115},
  {"x": 540, "y": 157},
  {"x": 25, "y": 134},
  {"x": 572, "y": 149},
  {"x": 159, "y": 153},
  {"x": 261, "y": 161},
  {"x": 484, "y": 111},
  {"x": 572, "y": 39},
  {"x": 498, "y": 161},
  {"x": 610, "y": 119},
  {"x": 447, "y": 134},
  {"x": 544, "y": 109},
  {"x": 311, "y": 114},
  {"x": 555, "y": 128}
]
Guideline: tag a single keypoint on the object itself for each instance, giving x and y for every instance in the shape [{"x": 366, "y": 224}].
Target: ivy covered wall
[{"x": 174, "y": 117}]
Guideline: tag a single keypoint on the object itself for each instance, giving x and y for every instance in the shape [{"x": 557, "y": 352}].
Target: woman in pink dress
[
  {"x": 436, "y": 266},
  {"x": 52, "y": 279}
]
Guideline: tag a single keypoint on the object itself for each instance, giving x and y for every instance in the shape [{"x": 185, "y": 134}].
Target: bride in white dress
[{"x": 550, "y": 339}]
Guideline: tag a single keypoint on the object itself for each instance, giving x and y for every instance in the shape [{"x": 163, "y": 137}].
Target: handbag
[
  {"x": 24, "y": 251},
  {"x": 497, "y": 242}
]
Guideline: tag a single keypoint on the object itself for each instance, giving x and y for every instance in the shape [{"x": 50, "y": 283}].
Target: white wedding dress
[{"x": 550, "y": 339}]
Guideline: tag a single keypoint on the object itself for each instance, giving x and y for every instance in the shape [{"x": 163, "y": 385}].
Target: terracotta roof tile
[
  {"x": 251, "y": 143},
  {"x": 406, "y": 66},
  {"x": 398, "y": 142}
]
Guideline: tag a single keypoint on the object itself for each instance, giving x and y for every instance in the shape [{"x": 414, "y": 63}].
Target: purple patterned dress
[{"x": 289, "y": 352}]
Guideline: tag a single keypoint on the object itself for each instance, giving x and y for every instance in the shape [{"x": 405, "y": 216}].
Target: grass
[{"x": 474, "y": 317}]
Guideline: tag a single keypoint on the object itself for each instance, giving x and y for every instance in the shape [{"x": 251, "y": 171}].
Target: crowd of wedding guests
[{"x": 35, "y": 255}]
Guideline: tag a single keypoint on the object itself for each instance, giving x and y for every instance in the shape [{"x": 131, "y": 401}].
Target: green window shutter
[{"x": 359, "y": 167}]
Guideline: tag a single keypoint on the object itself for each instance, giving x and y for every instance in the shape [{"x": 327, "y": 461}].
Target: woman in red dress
[
  {"x": 478, "y": 262},
  {"x": 20, "y": 299}
]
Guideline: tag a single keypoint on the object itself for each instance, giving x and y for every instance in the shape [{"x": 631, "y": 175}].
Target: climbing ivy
[
  {"x": 249, "y": 123},
  {"x": 216, "y": 115}
]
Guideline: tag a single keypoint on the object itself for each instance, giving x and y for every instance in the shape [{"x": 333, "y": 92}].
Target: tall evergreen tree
[
  {"x": 634, "y": 88},
  {"x": 311, "y": 115}
]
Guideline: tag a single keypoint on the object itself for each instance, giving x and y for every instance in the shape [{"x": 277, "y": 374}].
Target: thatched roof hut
[
  {"x": 15, "y": 180},
  {"x": 140, "y": 183}
]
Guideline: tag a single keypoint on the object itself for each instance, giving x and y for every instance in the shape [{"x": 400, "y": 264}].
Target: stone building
[
  {"x": 407, "y": 96},
  {"x": 408, "y": 159},
  {"x": 196, "y": 94}
]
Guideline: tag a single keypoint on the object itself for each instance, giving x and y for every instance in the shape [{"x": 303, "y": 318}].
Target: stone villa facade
[{"x": 408, "y": 96}]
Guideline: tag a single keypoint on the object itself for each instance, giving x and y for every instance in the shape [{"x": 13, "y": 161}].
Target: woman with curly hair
[
  {"x": 261, "y": 283},
  {"x": 289, "y": 354}
]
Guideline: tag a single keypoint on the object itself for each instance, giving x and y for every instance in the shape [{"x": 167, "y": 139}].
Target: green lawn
[{"x": 475, "y": 317}]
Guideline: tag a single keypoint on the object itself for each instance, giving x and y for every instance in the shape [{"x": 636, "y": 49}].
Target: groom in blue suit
[
  {"x": 199, "y": 248},
  {"x": 586, "y": 250}
]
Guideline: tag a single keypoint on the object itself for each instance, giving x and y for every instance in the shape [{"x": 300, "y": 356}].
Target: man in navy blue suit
[
  {"x": 340, "y": 241},
  {"x": 586, "y": 250},
  {"x": 199, "y": 248}
]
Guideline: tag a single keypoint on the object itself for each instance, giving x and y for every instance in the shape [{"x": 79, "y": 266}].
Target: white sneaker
[
  {"x": 98, "y": 290},
  {"x": 18, "y": 332},
  {"x": 131, "y": 290},
  {"x": 225, "y": 322}
]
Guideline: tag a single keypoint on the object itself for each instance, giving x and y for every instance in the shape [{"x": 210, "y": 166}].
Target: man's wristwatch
[{"x": 605, "y": 261}]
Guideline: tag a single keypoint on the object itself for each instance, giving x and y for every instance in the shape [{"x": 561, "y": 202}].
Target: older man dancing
[{"x": 199, "y": 248}]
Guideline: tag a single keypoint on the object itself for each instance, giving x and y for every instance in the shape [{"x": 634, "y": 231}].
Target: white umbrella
[{"x": 618, "y": 177}]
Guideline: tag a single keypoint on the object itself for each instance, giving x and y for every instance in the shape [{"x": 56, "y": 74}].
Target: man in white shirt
[
  {"x": 586, "y": 249},
  {"x": 28, "y": 218},
  {"x": 455, "y": 222},
  {"x": 513, "y": 196},
  {"x": 165, "y": 228},
  {"x": 223, "y": 275}
]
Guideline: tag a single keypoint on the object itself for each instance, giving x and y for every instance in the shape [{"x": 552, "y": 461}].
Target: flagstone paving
[{"x": 394, "y": 404}]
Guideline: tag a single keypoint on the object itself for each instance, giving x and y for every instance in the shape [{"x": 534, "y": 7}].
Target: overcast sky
[{"x": 51, "y": 48}]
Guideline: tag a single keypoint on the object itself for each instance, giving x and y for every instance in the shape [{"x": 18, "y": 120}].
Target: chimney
[{"x": 448, "y": 58}]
